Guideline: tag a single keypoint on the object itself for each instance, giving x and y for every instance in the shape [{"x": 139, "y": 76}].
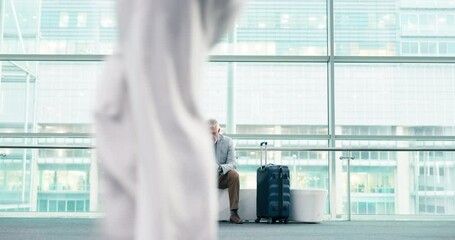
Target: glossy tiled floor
[{"x": 87, "y": 229}]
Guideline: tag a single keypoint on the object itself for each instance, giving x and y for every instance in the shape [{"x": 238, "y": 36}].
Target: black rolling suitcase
[{"x": 273, "y": 199}]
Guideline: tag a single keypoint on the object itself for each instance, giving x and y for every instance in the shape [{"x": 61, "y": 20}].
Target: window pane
[
  {"x": 404, "y": 180},
  {"x": 382, "y": 27},
  {"x": 281, "y": 94},
  {"x": 58, "y": 180},
  {"x": 270, "y": 98},
  {"x": 408, "y": 99},
  {"x": 292, "y": 27},
  {"x": 64, "y": 96},
  {"x": 59, "y": 27},
  {"x": 214, "y": 92}
]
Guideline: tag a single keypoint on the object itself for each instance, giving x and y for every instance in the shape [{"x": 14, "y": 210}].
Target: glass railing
[
  {"x": 58, "y": 175},
  {"x": 49, "y": 174},
  {"x": 371, "y": 182}
]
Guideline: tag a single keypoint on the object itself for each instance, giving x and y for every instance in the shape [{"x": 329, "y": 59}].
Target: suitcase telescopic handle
[{"x": 264, "y": 144}]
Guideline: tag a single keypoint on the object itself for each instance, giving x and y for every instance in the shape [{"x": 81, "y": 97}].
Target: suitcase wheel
[{"x": 257, "y": 220}]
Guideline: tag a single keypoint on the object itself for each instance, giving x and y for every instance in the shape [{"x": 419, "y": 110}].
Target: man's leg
[{"x": 231, "y": 181}]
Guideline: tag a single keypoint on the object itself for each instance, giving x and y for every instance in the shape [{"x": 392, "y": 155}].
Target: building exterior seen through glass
[{"x": 375, "y": 102}]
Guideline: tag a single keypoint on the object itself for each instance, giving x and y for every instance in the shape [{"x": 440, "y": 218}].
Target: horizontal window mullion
[
  {"x": 394, "y": 59},
  {"x": 240, "y": 58}
]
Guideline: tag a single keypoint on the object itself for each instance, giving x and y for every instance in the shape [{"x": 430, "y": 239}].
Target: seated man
[{"x": 227, "y": 176}]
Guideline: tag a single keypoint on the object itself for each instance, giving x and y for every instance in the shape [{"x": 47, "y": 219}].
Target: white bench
[
  {"x": 247, "y": 204},
  {"x": 307, "y": 205}
]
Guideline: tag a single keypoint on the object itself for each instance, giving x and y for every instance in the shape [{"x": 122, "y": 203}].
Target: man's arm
[{"x": 230, "y": 161}]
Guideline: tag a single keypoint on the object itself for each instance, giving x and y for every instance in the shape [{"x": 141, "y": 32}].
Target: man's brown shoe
[{"x": 235, "y": 218}]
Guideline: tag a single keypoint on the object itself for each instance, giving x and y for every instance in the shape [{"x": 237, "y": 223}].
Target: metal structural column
[
  {"x": 348, "y": 184},
  {"x": 34, "y": 167},
  {"x": 2, "y": 26},
  {"x": 231, "y": 75},
  {"x": 331, "y": 110},
  {"x": 94, "y": 182}
]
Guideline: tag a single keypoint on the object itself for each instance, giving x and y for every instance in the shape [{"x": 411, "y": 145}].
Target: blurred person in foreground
[{"x": 152, "y": 142}]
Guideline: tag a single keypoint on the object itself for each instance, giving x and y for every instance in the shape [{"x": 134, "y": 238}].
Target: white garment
[{"x": 154, "y": 146}]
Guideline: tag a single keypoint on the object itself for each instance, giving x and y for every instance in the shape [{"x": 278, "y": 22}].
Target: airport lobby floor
[{"x": 87, "y": 229}]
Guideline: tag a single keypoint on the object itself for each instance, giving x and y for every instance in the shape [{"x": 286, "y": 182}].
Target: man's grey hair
[{"x": 213, "y": 123}]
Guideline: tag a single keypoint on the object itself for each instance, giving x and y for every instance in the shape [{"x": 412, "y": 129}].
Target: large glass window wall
[{"x": 297, "y": 73}]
